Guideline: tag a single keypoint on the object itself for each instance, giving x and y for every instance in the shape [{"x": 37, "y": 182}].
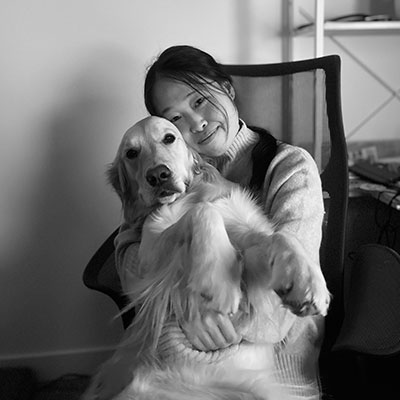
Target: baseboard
[{"x": 51, "y": 365}]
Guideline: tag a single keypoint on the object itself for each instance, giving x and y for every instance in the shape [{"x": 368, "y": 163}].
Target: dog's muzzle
[
  {"x": 158, "y": 175},
  {"x": 164, "y": 187}
]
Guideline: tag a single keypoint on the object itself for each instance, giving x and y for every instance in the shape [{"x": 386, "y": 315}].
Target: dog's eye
[
  {"x": 169, "y": 138},
  {"x": 132, "y": 153}
]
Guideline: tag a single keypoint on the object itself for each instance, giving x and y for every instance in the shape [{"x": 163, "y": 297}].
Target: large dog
[{"x": 206, "y": 245}]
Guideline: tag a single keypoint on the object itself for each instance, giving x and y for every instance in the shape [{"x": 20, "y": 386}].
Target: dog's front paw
[
  {"x": 296, "y": 279},
  {"x": 223, "y": 298},
  {"x": 114, "y": 375}
]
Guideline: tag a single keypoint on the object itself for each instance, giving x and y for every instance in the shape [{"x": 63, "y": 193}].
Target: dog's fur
[{"x": 206, "y": 245}]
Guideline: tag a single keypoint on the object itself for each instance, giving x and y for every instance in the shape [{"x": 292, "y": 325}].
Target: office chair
[
  {"x": 300, "y": 103},
  {"x": 293, "y": 101},
  {"x": 282, "y": 99},
  {"x": 101, "y": 275}
]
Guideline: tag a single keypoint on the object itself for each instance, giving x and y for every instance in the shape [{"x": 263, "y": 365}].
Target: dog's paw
[
  {"x": 296, "y": 279},
  {"x": 223, "y": 298},
  {"x": 112, "y": 378}
]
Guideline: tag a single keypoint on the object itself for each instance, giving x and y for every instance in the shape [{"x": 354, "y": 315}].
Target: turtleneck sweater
[{"x": 237, "y": 156}]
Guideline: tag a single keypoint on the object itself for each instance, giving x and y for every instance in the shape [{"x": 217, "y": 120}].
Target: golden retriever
[{"x": 206, "y": 245}]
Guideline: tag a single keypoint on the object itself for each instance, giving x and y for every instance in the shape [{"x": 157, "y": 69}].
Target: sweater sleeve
[
  {"x": 292, "y": 196},
  {"x": 127, "y": 244}
]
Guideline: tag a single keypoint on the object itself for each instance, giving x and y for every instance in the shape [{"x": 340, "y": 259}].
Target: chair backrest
[
  {"x": 299, "y": 102},
  {"x": 293, "y": 101}
]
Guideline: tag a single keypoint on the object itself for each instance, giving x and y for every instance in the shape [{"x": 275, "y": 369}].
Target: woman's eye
[
  {"x": 199, "y": 101},
  {"x": 132, "y": 153},
  {"x": 169, "y": 138},
  {"x": 175, "y": 119}
]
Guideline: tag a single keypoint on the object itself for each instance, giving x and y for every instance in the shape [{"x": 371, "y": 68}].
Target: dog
[{"x": 206, "y": 245}]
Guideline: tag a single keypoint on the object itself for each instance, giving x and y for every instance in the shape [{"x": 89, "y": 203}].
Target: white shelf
[
  {"x": 320, "y": 29},
  {"x": 354, "y": 28}
]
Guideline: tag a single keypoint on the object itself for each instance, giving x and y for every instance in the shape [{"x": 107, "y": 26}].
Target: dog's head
[{"x": 153, "y": 165}]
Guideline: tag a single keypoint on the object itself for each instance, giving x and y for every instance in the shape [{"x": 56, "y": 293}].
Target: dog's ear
[
  {"x": 119, "y": 180},
  {"x": 127, "y": 191},
  {"x": 114, "y": 179},
  {"x": 206, "y": 168}
]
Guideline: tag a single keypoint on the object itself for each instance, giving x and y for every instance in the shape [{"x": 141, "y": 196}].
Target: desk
[
  {"x": 361, "y": 187},
  {"x": 373, "y": 214}
]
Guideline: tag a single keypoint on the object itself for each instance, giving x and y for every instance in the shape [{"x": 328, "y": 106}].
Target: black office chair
[
  {"x": 293, "y": 101},
  {"x": 282, "y": 98},
  {"x": 100, "y": 274}
]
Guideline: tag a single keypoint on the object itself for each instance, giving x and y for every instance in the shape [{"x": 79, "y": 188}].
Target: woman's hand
[{"x": 211, "y": 331}]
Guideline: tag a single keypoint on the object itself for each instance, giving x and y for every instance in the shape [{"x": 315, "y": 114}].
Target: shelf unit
[
  {"x": 319, "y": 29},
  {"x": 353, "y": 28}
]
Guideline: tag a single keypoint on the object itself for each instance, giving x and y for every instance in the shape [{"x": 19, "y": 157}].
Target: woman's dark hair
[{"x": 188, "y": 65}]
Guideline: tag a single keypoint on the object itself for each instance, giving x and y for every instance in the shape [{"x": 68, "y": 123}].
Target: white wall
[{"x": 71, "y": 84}]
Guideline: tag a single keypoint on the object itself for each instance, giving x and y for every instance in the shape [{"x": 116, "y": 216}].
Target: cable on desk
[{"x": 387, "y": 229}]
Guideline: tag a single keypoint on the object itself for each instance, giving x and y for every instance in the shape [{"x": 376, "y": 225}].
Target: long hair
[{"x": 191, "y": 66}]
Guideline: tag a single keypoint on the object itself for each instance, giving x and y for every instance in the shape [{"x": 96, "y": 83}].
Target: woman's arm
[
  {"x": 292, "y": 197},
  {"x": 127, "y": 243}
]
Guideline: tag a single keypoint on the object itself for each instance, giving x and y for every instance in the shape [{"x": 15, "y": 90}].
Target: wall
[{"x": 71, "y": 84}]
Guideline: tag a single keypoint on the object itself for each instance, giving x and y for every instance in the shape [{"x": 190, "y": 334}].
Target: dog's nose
[{"x": 158, "y": 175}]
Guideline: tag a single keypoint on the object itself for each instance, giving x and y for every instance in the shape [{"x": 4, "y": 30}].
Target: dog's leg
[
  {"x": 281, "y": 263},
  {"x": 276, "y": 260},
  {"x": 215, "y": 265},
  {"x": 189, "y": 267}
]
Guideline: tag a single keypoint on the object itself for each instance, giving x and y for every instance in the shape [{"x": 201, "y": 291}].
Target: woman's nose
[{"x": 198, "y": 123}]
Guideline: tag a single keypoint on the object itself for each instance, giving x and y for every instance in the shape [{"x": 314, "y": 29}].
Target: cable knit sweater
[{"x": 292, "y": 197}]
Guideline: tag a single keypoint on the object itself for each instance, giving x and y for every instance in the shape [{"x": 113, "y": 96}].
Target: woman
[{"x": 189, "y": 88}]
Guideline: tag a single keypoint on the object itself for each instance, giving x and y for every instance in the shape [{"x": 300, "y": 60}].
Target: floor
[{"x": 21, "y": 384}]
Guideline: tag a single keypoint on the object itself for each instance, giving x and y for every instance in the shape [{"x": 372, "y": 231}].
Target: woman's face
[{"x": 208, "y": 129}]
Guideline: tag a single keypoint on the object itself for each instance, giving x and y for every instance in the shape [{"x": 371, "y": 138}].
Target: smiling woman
[
  {"x": 190, "y": 89},
  {"x": 204, "y": 123},
  {"x": 200, "y": 103}
]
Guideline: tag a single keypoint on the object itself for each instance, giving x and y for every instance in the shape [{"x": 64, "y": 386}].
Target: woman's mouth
[{"x": 208, "y": 137}]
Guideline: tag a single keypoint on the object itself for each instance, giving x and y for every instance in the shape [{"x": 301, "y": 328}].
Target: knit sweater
[{"x": 292, "y": 197}]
